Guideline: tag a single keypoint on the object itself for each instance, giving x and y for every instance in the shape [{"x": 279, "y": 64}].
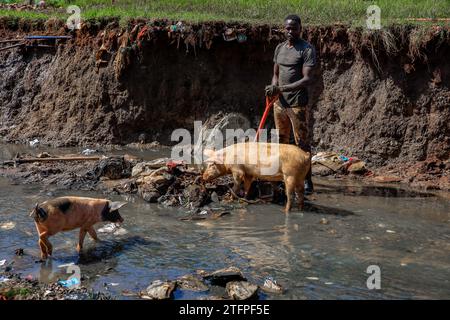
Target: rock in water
[
  {"x": 196, "y": 195},
  {"x": 192, "y": 283},
  {"x": 159, "y": 290},
  {"x": 223, "y": 276},
  {"x": 112, "y": 168},
  {"x": 241, "y": 290},
  {"x": 270, "y": 285}
]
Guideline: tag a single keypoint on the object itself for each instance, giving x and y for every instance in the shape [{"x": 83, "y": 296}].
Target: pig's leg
[
  {"x": 301, "y": 195},
  {"x": 290, "y": 189},
  {"x": 44, "y": 254},
  {"x": 93, "y": 234},
  {"x": 81, "y": 239},
  {"x": 247, "y": 185},
  {"x": 237, "y": 177},
  {"x": 46, "y": 246}
]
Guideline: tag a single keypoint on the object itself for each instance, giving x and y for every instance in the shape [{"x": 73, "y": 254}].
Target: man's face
[{"x": 292, "y": 30}]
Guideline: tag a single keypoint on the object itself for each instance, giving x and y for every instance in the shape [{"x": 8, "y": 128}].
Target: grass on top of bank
[{"x": 312, "y": 12}]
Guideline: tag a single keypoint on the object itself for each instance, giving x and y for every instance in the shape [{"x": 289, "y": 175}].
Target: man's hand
[{"x": 272, "y": 90}]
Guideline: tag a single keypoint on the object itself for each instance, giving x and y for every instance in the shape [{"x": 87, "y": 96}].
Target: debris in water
[
  {"x": 390, "y": 231},
  {"x": 114, "y": 229},
  {"x": 19, "y": 252},
  {"x": 3, "y": 279},
  {"x": 7, "y": 225},
  {"x": 43, "y": 155},
  {"x": 109, "y": 228},
  {"x": 241, "y": 290},
  {"x": 88, "y": 152},
  {"x": 2, "y": 262},
  {"x": 34, "y": 143},
  {"x": 69, "y": 283},
  {"x": 312, "y": 278},
  {"x": 324, "y": 221}
]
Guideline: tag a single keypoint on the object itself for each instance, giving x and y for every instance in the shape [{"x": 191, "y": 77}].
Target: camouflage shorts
[{"x": 296, "y": 118}]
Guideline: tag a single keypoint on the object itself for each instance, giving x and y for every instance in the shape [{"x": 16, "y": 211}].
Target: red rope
[{"x": 269, "y": 104}]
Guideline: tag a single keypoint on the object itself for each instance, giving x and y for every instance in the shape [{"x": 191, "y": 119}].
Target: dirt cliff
[{"x": 381, "y": 96}]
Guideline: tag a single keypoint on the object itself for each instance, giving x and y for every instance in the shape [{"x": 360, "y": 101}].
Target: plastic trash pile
[{"x": 339, "y": 163}]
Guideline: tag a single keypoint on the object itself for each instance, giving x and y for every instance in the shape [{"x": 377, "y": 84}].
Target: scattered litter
[
  {"x": 69, "y": 283},
  {"x": 114, "y": 229},
  {"x": 403, "y": 264},
  {"x": 241, "y": 38},
  {"x": 381, "y": 225},
  {"x": 390, "y": 231},
  {"x": 113, "y": 284},
  {"x": 229, "y": 35},
  {"x": 7, "y": 225},
  {"x": 324, "y": 221},
  {"x": 336, "y": 162},
  {"x": 108, "y": 228},
  {"x": 47, "y": 292},
  {"x": 120, "y": 232},
  {"x": 43, "y": 155},
  {"x": 34, "y": 143},
  {"x": 3, "y": 279},
  {"x": 66, "y": 265},
  {"x": 2, "y": 262},
  {"x": 366, "y": 238},
  {"x": 312, "y": 278},
  {"x": 29, "y": 277},
  {"x": 329, "y": 283},
  {"x": 88, "y": 152},
  {"x": 19, "y": 252}
]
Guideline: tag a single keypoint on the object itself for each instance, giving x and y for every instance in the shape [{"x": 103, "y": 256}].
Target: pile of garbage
[
  {"x": 336, "y": 163},
  {"x": 173, "y": 183}
]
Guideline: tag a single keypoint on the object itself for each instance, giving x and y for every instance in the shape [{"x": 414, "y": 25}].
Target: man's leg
[
  {"x": 282, "y": 123},
  {"x": 300, "y": 125}
]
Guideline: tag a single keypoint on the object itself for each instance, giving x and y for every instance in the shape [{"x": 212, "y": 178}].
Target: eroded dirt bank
[{"x": 383, "y": 97}]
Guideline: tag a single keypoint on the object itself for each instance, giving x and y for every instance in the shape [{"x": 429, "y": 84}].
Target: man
[{"x": 294, "y": 61}]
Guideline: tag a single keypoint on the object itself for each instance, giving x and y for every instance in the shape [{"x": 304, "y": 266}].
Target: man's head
[{"x": 293, "y": 27}]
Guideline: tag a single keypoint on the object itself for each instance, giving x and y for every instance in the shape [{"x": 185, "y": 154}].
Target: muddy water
[{"x": 405, "y": 233}]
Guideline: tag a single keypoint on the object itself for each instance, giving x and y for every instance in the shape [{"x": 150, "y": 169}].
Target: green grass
[{"x": 313, "y": 12}]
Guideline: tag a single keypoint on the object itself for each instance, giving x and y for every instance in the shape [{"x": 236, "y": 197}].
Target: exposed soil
[{"x": 383, "y": 97}]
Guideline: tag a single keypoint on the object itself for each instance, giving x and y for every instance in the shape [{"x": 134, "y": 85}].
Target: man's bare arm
[
  {"x": 303, "y": 82},
  {"x": 276, "y": 72}
]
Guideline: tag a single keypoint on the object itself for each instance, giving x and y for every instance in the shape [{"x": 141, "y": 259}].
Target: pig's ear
[
  {"x": 35, "y": 209},
  {"x": 209, "y": 153},
  {"x": 115, "y": 205}
]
